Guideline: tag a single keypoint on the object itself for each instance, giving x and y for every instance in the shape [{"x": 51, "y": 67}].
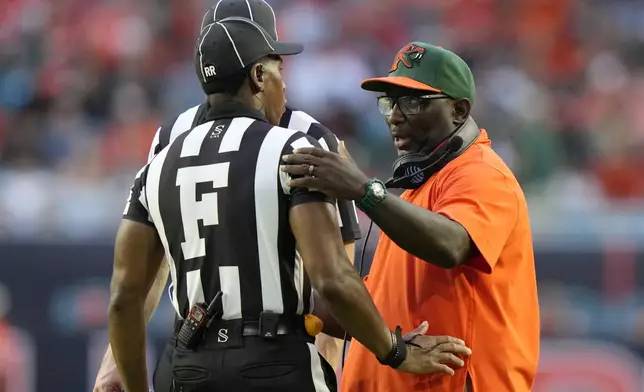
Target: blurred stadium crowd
[{"x": 85, "y": 84}]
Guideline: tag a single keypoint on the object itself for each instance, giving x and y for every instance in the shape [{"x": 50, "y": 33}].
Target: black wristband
[{"x": 398, "y": 352}]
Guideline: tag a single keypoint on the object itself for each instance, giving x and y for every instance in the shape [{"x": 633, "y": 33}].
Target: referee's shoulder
[
  {"x": 180, "y": 123},
  {"x": 304, "y": 122},
  {"x": 289, "y": 139}
]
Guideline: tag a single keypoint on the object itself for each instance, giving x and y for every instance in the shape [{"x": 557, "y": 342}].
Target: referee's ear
[{"x": 256, "y": 75}]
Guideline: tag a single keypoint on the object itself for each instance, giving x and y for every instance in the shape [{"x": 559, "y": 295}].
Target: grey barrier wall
[{"x": 59, "y": 296}]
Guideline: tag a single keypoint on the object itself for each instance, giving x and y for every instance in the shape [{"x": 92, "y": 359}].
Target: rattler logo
[{"x": 408, "y": 55}]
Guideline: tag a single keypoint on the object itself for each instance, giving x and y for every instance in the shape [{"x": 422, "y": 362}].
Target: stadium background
[{"x": 84, "y": 85}]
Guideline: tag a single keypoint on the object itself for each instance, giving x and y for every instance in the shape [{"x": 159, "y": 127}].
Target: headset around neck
[{"x": 411, "y": 171}]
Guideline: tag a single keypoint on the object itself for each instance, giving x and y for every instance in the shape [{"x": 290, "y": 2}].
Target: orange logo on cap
[{"x": 408, "y": 55}]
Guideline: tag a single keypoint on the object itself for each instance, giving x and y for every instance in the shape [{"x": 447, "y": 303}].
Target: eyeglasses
[{"x": 407, "y": 105}]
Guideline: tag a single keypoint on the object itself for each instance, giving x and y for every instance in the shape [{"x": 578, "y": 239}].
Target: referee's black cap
[
  {"x": 233, "y": 44},
  {"x": 259, "y": 11}
]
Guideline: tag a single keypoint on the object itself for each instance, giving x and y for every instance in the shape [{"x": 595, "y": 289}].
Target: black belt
[{"x": 283, "y": 325}]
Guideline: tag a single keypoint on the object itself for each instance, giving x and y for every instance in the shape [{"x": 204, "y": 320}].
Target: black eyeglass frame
[{"x": 393, "y": 101}]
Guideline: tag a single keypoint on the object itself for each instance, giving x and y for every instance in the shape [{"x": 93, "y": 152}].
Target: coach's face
[
  {"x": 268, "y": 77},
  {"x": 419, "y": 125}
]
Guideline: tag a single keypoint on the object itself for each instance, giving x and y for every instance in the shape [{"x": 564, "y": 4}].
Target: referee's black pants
[{"x": 286, "y": 363}]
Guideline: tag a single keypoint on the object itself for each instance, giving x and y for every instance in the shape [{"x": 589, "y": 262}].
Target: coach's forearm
[
  {"x": 425, "y": 234},
  {"x": 126, "y": 324}
]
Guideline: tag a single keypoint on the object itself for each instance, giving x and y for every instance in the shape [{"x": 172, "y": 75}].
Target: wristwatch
[{"x": 376, "y": 192}]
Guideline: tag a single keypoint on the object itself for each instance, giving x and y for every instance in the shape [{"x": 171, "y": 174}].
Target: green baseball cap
[{"x": 426, "y": 67}]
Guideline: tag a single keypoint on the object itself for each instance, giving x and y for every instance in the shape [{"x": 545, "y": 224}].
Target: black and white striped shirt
[
  {"x": 220, "y": 205},
  {"x": 292, "y": 119}
]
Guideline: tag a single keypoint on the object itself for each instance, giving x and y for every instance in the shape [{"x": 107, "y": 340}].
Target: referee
[
  {"x": 216, "y": 203},
  {"x": 263, "y": 14}
]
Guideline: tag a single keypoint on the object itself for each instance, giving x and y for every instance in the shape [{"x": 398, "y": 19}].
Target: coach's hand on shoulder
[
  {"x": 434, "y": 354},
  {"x": 336, "y": 175}
]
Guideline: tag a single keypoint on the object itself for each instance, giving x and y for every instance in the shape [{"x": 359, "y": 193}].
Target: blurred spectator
[
  {"x": 13, "y": 374},
  {"x": 85, "y": 84}
]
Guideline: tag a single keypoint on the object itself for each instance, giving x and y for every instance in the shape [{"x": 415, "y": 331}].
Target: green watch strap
[{"x": 370, "y": 199}]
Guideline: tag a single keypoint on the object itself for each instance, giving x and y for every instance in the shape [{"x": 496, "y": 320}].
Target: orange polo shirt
[{"x": 490, "y": 302}]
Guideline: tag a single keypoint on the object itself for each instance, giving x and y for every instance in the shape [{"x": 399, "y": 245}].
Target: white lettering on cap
[{"x": 209, "y": 71}]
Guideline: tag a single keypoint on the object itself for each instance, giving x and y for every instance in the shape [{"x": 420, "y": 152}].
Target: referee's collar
[{"x": 232, "y": 109}]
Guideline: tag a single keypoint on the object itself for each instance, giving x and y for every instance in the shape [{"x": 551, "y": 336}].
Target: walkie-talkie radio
[{"x": 197, "y": 322}]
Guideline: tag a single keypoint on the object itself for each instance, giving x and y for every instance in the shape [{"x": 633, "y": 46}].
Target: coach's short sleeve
[
  {"x": 300, "y": 195},
  {"x": 485, "y": 202},
  {"x": 136, "y": 207}
]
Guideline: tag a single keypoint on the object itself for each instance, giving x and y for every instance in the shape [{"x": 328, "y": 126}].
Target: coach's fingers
[
  {"x": 440, "y": 368},
  {"x": 453, "y": 348},
  {"x": 295, "y": 159},
  {"x": 297, "y": 169},
  {"x": 450, "y": 359},
  {"x": 448, "y": 339},
  {"x": 419, "y": 330},
  {"x": 315, "y": 151}
]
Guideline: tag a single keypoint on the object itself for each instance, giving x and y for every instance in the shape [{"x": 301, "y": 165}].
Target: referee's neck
[{"x": 242, "y": 98}]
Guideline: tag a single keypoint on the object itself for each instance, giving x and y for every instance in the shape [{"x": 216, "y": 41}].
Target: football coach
[{"x": 456, "y": 247}]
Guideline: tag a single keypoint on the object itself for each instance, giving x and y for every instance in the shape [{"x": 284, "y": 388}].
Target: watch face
[{"x": 378, "y": 189}]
